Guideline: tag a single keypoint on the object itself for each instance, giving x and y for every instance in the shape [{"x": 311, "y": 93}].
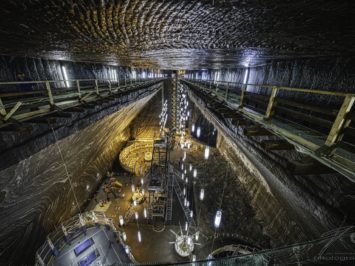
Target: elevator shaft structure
[{"x": 158, "y": 184}]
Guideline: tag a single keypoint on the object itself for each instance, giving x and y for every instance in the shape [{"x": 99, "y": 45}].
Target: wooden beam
[
  {"x": 239, "y": 121},
  {"x": 256, "y": 131},
  {"x": 341, "y": 121},
  {"x": 12, "y": 111},
  {"x": 2, "y": 108},
  {"x": 269, "y": 110},
  {"x": 276, "y": 145},
  {"x": 49, "y": 93}
]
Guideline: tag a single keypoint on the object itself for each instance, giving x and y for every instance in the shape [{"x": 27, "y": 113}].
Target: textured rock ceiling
[{"x": 172, "y": 34}]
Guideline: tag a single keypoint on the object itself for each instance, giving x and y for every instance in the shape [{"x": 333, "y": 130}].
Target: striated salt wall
[{"x": 35, "y": 193}]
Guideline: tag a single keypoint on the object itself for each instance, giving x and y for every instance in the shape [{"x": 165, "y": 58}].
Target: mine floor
[{"x": 155, "y": 247}]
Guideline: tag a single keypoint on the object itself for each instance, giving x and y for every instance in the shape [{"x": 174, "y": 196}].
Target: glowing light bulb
[
  {"x": 145, "y": 213},
  {"x": 126, "y": 249},
  {"x": 191, "y": 214},
  {"x": 198, "y": 133},
  {"x": 133, "y": 188},
  {"x": 190, "y": 168},
  {"x": 193, "y": 128},
  {"x": 189, "y": 240},
  {"x": 136, "y": 215},
  {"x": 134, "y": 203},
  {"x": 139, "y": 236},
  {"x": 207, "y": 152},
  {"x": 218, "y": 218},
  {"x": 124, "y": 236},
  {"x": 202, "y": 194},
  {"x": 195, "y": 173},
  {"x": 142, "y": 181},
  {"x": 121, "y": 220},
  {"x": 184, "y": 191},
  {"x": 197, "y": 235},
  {"x": 186, "y": 226}
]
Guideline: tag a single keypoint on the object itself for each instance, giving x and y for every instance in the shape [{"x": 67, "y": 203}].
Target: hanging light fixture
[
  {"x": 198, "y": 133},
  {"x": 193, "y": 128},
  {"x": 190, "y": 168},
  {"x": 145, "y": 213},
  {"x": 184, "y": 191},
  {"x": 121, "y": 220},
  {"x": 202, "y": 193},
  {"x": 191, "y": 214},
  {"x": 136, "y": 215},
  {"x": 197, "y": 236},
  {"x": 189, "y": 240},
  {"x": 124, "y": 236},
  {"x": 142, "y": 181},
  {"x": 186, "y": 226},
  {"x": 195, "y": 173},
  {"x": 126, "y": 249},
  {"x": 139, "y": 236},
  {"x": 207, "y": 152},
  {"x": 218, "y": 218}
]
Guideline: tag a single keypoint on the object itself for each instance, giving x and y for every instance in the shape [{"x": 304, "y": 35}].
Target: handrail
[
  {"x": 327, "y": 149},
  {"x": 62, "y": 80},
  {"x": 45, "y": 98},
  {"x": 286, "y": 88}
]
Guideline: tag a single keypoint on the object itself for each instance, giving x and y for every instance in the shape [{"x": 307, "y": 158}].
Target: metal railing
[
  {"x": 22, "y": 100},
  {"x": 324, "y": 133}
]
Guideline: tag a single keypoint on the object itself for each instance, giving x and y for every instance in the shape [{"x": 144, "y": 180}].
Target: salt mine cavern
[{"x": 177, "y": 132}]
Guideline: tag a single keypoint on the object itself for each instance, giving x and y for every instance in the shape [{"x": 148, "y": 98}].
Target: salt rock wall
[
  {"x": 146, "y": 124},
  {"x": 44, "y": 69},
  {"x": 272, "y": 215},
  {"x": 328, "y": 73},
  {"x": 36, "y": 194},
  {"x": 290, "y": 210}
]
